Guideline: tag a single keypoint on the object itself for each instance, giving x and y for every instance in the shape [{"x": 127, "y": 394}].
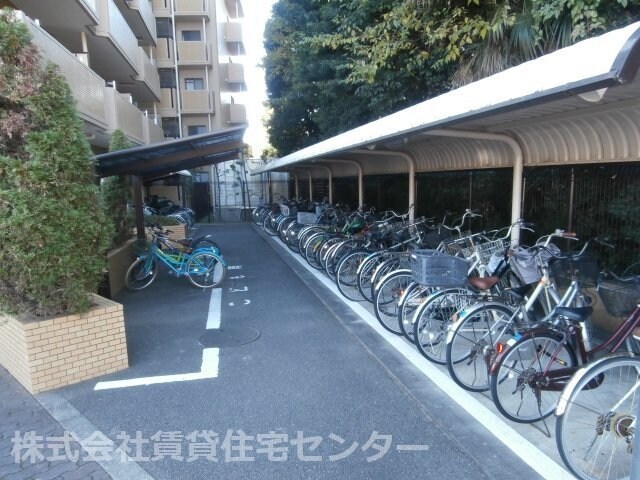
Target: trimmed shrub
[{"x": 53, "y": 235}]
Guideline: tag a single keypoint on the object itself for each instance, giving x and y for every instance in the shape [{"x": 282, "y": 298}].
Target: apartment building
[{"x": 157, "y": 69}]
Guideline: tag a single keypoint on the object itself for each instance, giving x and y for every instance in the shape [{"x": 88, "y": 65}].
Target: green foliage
[
  {"x": 52, "y": 236},
  {"x": 116, "y": 193},
  {"x": 332, "y": 65}
]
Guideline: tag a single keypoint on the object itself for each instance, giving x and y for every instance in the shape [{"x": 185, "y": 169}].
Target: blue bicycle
[{"x": 203, "y": 265}]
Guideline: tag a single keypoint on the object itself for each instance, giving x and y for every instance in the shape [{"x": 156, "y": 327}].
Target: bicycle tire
[
  {"x": 471, "y": 345},
  {"x": 206, "y": 270},
  {"x": 347, "y": 274},
  {"x": 592, "y": 437},
  {"x": 387, "y": 296},
  {"x": 365, "y": 273},
  {"x": 413, "y": 297},
  {"x": 513, "y": 381},
  {"x": 432, "y": 320},
  {"x": 141, "y": 273}
]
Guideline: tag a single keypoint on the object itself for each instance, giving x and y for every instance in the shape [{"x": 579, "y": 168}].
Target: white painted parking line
[
  {"x": 215, "y": 308},
  {"x": 210, "y": 356},
  {"x": 523, "y": 448}
]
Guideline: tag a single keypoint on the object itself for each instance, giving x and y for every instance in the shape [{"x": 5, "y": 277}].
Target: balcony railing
[
  {"x": 142, "y": 20},
  {"x": 235, "y": 73},
  {"x": 198, "y": 8},
  {"x": 153, "y": 133},
  {"x": 86, "y": 86},
  {"x": 114, "y": 27},
  {"x": 123, "y": 115},
  {"x": 237, "y": 113},
  {"x": 234, "y": 7},
  {"x": 168, "y": 103},
  {"x": 161, "y": 8},
  {"x": 197, "y": 101},
  {"x": 233, "y": 32},
  {"x": 194, "y": 53},
  {"x": 148, "y": 73}
]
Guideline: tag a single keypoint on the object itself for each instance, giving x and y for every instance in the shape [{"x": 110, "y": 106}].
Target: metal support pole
[{"x": 138, "y": 201}]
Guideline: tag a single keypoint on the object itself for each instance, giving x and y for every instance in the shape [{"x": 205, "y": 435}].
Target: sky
[{"x": 256, "y": 13}]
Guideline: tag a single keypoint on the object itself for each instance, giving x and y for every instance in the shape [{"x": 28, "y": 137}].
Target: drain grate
[{"x": 229, "y": 336}]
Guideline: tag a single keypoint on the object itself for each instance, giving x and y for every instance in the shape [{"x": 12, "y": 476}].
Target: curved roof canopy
[{"x": 576, "y": 105}]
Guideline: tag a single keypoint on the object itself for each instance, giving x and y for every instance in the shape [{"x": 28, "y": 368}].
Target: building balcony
[
  {"x": 152, "y": 131},
  {"x": 86, "y": 86},
  {"x": 124, "y": 115},
  {"x": 67, "y": 16},
  {"x": 164, "y": 53},
  {"x": 237, "y": 113},
  {"x": 114, "y": 47},
  {"x": 168, "y": 103},
  {"x": 194, "y": 53},
  {"x": 235, "y": 73},
  {"x": 146, "y": 87},
  {"x": 233, "y": 32},
  {"x": 140, "y": 17},
  {"x": 161, "y": 8},
  {"x": 192, "y": 8},
  {"x": 234, "y": 7},
  {"x": 196, "y": 102}
]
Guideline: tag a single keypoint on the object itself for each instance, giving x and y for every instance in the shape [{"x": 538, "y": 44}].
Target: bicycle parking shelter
[
  {"x": 576, "y": 106},
  {"x": 153, "y": 161}
]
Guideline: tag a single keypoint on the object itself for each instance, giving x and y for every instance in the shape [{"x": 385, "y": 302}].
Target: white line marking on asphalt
[
  {"x": 523, "y": 448},
  {"x": 215, "y": 307},
  {"x": 210, "y": 357}
]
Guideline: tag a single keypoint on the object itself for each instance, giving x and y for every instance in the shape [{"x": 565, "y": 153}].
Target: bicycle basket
[
  {"x": 583, "y": 268},
  {"x": 619, "y": 297},
  {"x": 433, "y": 269},
  {"x": 524, "y": 264}
]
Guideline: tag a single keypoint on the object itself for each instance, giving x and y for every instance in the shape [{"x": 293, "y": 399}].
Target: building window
[
  {"x": 170, "y": 127},
  {"x": 196, "y": 129},
  {"x": 167, "y": 77},
  {"x": 193, "y": 84},
  {"x": 164, "y": 28},
  {"x": 191, "y": 36}
]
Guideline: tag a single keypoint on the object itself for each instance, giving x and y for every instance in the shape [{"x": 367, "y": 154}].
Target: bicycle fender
[{"x": 563, "y": 401}]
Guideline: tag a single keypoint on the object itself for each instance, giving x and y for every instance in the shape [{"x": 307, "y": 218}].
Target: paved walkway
[{"x": 33, "y": 443}]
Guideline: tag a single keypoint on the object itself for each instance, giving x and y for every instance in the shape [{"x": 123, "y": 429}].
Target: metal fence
[{"x": 591, "y": 200}]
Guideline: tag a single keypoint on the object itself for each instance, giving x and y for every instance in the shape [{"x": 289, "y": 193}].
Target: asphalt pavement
[{"x": 271, "y": 376}]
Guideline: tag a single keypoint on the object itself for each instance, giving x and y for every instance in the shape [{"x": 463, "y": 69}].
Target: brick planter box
[{"x": 43, "y": 354}]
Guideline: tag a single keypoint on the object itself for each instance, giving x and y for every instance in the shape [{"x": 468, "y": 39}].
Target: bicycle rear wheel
[
  {"x": 516, "y": 376},
  {"x": 413, "y": 297},
  {"x": 596, "y": 417},
  {"x": 141, "y": 273},
  {"x": 206, "y": 270}
]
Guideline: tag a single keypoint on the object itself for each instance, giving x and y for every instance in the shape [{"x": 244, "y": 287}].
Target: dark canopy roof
[{"x": 158, "y": 159}]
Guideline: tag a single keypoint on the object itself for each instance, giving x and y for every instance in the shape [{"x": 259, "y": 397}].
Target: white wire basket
[{"x": 486, "y": 250}]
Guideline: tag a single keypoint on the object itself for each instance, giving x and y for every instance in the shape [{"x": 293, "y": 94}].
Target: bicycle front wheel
[
  {"x": 206, "y": 270},
  {"x": 387, "y": 296},
  {"x": 141, "y": 273},
  {"x": 518, "y": 377},
  {"x": 433, "y": 318},
  {"x": 596, "y": 419},
  {"x": 472, "y": 345}
]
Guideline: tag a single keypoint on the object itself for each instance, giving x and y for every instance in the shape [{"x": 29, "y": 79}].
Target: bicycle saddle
[{"x": 575, "y": 314}]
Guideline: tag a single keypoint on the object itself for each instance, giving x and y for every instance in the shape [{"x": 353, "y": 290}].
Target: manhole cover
[{"x": 229, "y": 336}]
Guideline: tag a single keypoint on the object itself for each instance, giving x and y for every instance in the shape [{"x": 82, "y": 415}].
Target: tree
[
  {"x": 52, "y": 237},
  {"x": 332, "y": 65},
  {"x": 116, "y": 193}
]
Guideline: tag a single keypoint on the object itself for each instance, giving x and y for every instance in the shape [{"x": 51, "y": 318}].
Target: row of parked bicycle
[{"x": 504, "y": 318}]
